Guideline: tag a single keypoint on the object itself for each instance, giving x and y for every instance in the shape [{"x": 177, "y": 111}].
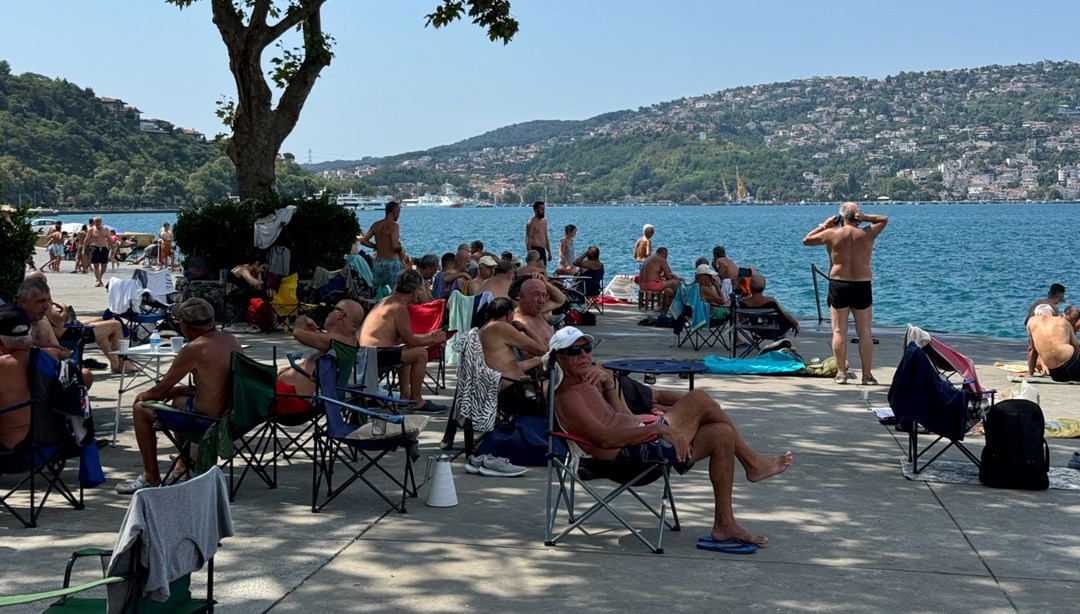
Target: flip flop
[{"x": 726, "y": 546}]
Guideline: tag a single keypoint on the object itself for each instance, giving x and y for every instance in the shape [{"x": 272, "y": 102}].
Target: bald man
[{"x": 341, "y": 325}]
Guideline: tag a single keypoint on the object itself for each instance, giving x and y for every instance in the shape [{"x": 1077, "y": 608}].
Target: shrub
[
  {"x": 319, "y": 234},
  {"x": 17, "y": 239}
]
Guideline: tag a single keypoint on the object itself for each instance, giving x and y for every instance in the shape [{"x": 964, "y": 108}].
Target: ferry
[
  {"x": 358, "y": 202},
  {"x": 448, "y": 198}
]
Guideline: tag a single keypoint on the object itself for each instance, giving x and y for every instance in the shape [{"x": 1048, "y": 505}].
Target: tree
[{"x": 258, "y": 128}]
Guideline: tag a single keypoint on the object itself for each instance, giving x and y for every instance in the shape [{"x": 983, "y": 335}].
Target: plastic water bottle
[{"x": 155, "y": 341}]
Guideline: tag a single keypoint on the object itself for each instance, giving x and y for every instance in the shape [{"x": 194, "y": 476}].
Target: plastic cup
[
  {"x": 177, "y": 344},
  {"x": 125, "y": 345}
]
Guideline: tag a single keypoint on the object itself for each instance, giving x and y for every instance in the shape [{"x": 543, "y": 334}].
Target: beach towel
[
  {"x": 360, "y": 266},
  {"x": 268, "y": 227},
  {"x": 768, "y": 363}
]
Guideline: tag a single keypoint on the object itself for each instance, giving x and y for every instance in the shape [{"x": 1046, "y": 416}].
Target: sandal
[
  {"x": 869, "y": 381},
  {"x": 840, "y": 378}
]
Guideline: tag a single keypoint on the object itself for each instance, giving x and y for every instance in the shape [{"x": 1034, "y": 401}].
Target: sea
[{"x": 957, "y": 268}]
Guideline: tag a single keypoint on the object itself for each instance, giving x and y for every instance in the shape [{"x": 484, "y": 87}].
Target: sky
[{"x": 396, "y": 86}]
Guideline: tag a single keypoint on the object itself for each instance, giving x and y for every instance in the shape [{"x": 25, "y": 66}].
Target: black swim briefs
[
  {"x": 388, "y": 357},
  {"x": 853, "y": 294},
  {"x": 655, "y": 450},
  {"x": 1068, "y": 372},
  {"x": 542, "y": 250},
  {"x": 99, "y": 255}
]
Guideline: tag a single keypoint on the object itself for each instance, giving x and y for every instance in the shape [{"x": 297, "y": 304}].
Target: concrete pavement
[{"x": 848, "y": 533}]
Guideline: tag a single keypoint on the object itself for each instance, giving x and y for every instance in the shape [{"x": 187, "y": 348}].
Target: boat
[
  {"x": 359, "y": 202},
  {"x": 448, "y": 198}
]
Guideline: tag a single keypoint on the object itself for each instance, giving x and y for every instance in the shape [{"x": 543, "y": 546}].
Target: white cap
[
  {"x": 565, "y": 337},
  {"x": 704, "y": 269},
  {"x": 488, "y": 261}
]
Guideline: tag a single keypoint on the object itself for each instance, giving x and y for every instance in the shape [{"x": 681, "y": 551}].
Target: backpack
[
  {"x": 260, "y": 314},
  {"x": 1016, "y": 453}
]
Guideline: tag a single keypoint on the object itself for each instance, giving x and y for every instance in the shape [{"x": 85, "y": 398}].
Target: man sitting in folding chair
[
  {"x": 207, "y": 358},
  {"x": 35, "y": 297},
  {"x": 341, "y": 325},
  {"x": 588, "y": 405}
]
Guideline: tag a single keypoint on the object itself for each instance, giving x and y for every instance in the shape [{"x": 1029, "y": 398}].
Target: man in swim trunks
[
  {"x": 97, "y": 240},
  {"x": 850, "y": 247},
  {"x": 341, "y": 325},
  {"x": 387, "y": 327},
  {"x": 389, "y": 254},
  {"x": 1054, "y": 341},
  {"x": 693, "y": 429},
  {"x": 643, "y": 246},
  {"x": 165, "y": 251},
  {"x": 206, "y": 357},
  {"x": 656, "y": 276},
  {"x": 536, "y": 233}
]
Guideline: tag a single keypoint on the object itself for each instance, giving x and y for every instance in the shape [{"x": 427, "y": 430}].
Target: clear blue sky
[{"x": 396, "y": 86}]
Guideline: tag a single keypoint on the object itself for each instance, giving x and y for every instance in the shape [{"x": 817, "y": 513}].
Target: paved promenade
[{"x": 848, "y": 533}]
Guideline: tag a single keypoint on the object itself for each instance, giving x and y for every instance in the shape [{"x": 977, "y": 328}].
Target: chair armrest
[
  {"x": 4, "y": 410},
  {"x": 293, "y": 358},
  {"x": 159, "y": 406},
  {"x": 60, "y": 592},
  {"x": 391, "y": 418}
]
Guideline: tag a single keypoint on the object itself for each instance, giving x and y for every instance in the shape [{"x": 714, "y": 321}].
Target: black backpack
[{"x": 1016, "y": 453}]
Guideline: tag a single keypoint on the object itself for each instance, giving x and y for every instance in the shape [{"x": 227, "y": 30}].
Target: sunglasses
[{"x": 574, "y": 350}]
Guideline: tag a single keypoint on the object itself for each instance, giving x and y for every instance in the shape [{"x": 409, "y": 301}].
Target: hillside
[{"x": 996, "y": 132}]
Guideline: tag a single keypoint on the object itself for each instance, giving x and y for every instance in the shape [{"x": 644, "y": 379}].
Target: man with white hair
[
  {"x": 695, "y": 428},
  {"x": 850, "y": 246},
  {"x": 1054, "y": 341},
  {"x": 643, "y": 247}
]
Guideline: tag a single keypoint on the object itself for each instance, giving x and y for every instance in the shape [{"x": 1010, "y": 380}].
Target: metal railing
[{"x": 814, "y": 272}]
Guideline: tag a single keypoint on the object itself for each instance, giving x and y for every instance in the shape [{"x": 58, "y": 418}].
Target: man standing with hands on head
[
  {"x": 850, "y": 246},
  {"x": 536, "y": 233}
]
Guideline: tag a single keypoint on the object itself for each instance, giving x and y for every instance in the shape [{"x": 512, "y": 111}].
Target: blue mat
[{"x": 771, "y": 362}]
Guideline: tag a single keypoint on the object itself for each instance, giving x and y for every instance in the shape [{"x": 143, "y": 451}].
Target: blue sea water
[{"x": 962, "y": 268}]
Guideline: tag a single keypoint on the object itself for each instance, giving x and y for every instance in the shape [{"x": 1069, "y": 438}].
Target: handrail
[{"x": 814, "y": 272}]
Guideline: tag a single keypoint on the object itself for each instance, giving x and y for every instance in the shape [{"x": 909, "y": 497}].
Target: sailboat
[{"x": 740, "y": 189}]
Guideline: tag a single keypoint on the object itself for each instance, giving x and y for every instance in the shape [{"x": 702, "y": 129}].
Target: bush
[
  {"x": 17, "y": 239},
  {"x": 320, "y": 233}
]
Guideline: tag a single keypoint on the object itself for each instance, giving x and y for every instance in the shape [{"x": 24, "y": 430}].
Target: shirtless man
[
  {"x": 82, "y": 254},
  {"x": 106, "y": 333},
  {"x": 850, "y": 247},
  {"x": 341, "y": 325},
  {"x": 54, "y": 246},
  {"x": 656, "y": 276},
  {"x": 535, "y": 300},
  {"x": 97, "y": 241},
  {"x": 165, "y": 247},
  {"x": 695, "y": 428},
  {"x": 1054, "y": 341},
  {"x": 726, "y": 270},
  {"x": 534, "y": 265},
  {"x": 643, "y": 246},
  {"x": 207, "y": 358},
  {"x": 389, "y": 254},
  {"x": 387, "y": 327},
  {"x": 1054, "y": 296},
  {"x": 536, "y": 233},
  {"x": 485, "y": 271},
  {"x": 35, "y": 298},
  {"x": 499, "y": 284},
  {"x": 758, "y": 299},
  {"x": 14, "y": 365}
]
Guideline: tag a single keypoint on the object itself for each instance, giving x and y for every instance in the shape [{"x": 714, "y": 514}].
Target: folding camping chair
[
  {"x": 235, "y": 435},
  {"x": 141, "y": 309},
  {"x": 423, "y": 319},
  {"x": 336, "y": 441},
  {"x": 564, "y": 480},
  {"x": 753, "y": 326},
  {"x": 285, "y": 303},
  {"x": 167, "y": 534},
  {"x": 60, "y": 429},
  {"x": 936, "y": 388},
  {"x": 697, "y": 322}
]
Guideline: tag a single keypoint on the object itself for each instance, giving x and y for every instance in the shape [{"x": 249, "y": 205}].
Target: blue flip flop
[{"x": 727, "y": 546}]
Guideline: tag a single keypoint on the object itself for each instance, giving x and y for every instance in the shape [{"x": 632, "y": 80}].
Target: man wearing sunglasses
[
  {"x": 341, "y": 325},
  {"x": 694, "y": 428}
]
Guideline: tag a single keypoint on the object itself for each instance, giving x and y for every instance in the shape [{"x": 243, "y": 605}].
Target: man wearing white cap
[
  {"x": 693, "y": 429},
  {"x": 708, "y": 286}
]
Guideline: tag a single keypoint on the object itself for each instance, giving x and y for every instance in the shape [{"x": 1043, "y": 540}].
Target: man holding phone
[{"x": 850, "y": 246}]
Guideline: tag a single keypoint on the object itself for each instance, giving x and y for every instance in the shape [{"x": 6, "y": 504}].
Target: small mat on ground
[{"x": 964, "y": 472}]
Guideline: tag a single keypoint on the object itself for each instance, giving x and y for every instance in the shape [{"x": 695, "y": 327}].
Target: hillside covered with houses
[{"x": 1002, "y": 133}]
